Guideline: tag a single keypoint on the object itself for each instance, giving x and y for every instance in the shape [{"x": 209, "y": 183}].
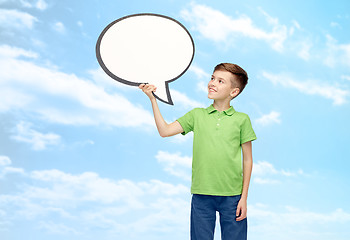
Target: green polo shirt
[{"x": 218, "y": 136}]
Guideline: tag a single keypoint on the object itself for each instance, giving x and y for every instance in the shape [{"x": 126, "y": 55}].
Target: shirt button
[{"x": 218, "y": 124}]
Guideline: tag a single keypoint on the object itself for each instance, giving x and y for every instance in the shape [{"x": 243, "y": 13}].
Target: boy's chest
[{"x": 219, "y": 126}]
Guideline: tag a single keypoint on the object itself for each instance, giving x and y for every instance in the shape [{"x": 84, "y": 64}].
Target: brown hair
[{"x": 241, "y": 79}]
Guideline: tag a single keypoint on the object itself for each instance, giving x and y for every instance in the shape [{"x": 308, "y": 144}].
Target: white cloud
[
  {"x": 272, "y": 117},
  {"x": 174, "y": 159},
  {"x": 41, "y": 5},
  {"x": 296, "y": 24},
  {"x": 6, "y": 168},
  {"x": 13, "y": 170},
  {"x": 335, "y": 25},
  {"x": 59, "y": 27},
  {"x": 337, "y": 53},
  {"x": 225, "y": 29},
  {"x": 345, "y": 77},
  {"x": 203, "y": 86},
  {"x": 63, "y": 98},
  {"x": 38, "y": 4},
  {"x": 218, "y": 27},
  {"x": 203, "y": 76},
  {"x": 263, "y": 168},
  {"x": 72, "y": 203},
  {"x": 279, "y": 33},
  {"x": 260, "y": 180},
  {"x": 199, "y": 72},
  {"x": 57, "y": 228},
  {"x": 101, "y": 79},
  {"x": 4, "y": 161},
  {"x": 175, "y": 164},
  {"x": 38, "y": 140},
  {"x": 88, "y": 186},
  {"x": 7, "y": 51},
  {"x": 183, "y": 100},
  {"x": 274, "y": 222},
  {"x": 82, "y": 143},
  {"x": 337, "y": 95},
  {"x": 11, "y": 18},
  {"x": 304, "y": 50},
  {"x": 265, "y": 173},
  {"x": 159, "y": 187}
]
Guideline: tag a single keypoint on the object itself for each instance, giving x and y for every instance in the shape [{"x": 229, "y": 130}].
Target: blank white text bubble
[{"x": 146, "y": 48}]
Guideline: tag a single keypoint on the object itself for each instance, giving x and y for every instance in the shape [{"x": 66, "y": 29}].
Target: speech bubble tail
[{"x": 163, "y": 94}]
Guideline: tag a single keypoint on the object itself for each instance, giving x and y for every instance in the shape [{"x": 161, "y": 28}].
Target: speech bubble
[{"x": 146, "y": 48}]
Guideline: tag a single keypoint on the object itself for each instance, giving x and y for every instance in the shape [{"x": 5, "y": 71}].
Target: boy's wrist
[
  {"x": 244, "y": 196},
  {"x": 153, "y": 99}
]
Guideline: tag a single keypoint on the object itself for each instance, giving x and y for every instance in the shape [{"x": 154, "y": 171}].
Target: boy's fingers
[
  {"x": 243, "y": 216},
  {"x": 142, "y": 85},
  {"x": 147, "y": 88},
  {"x": 151, "y": 88},
  {"x": 238, "y": 211},
  {"x": 240, "y": 214}
]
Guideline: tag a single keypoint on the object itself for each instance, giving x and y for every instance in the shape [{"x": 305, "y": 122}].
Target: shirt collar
[{"x": 229, "y": 111}]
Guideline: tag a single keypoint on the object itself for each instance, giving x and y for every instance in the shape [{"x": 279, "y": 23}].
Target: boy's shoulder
[
  {"x": 198, "y": 110},
  {"x": 241, "y": 117},
  {"x": 241, "y": 114}
]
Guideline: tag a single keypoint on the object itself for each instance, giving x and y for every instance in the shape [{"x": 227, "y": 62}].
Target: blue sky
[{"x": 80, "y": 157}]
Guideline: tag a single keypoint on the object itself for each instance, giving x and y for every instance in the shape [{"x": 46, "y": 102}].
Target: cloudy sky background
[{"x": 80, "y": 157}]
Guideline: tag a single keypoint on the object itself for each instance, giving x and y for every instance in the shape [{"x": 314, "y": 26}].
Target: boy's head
[{"x": 239, "y": 77}]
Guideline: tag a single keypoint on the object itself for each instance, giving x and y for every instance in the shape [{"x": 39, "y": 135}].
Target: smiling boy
[{"x": 221, "y": 136}]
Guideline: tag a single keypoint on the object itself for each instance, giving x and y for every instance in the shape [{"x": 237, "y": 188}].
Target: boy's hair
[{"x": 241, "y": 79}]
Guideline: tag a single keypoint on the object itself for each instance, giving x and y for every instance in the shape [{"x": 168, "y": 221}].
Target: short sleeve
[
  {"x": 247, "y": 132},
  {"x": 187, "y": 122}
]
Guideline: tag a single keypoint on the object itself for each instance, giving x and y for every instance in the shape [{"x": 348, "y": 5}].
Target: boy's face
[{"x": 220, "y": 86}]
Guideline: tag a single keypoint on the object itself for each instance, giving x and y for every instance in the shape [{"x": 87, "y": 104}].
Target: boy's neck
[{"x": 221, "y": 105}]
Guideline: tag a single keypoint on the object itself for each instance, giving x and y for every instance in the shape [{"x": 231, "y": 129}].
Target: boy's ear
[{"x": 234, "y": 92}]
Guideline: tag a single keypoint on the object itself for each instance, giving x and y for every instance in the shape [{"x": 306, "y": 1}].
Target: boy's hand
[
  {"x": 241, "y": 212},
  {"x": 148, "y": 90}
]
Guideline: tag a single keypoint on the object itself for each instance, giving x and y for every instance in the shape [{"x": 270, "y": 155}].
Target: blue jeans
[{"x": 203, "y": 218}]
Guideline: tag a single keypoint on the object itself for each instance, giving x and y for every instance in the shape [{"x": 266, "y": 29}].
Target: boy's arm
[
  {"x": 247, "y": 171},
  {"x": 164, "y": 129}
]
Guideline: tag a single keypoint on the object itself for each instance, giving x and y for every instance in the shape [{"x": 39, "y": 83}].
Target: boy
[{"x": 220, "y": 135}]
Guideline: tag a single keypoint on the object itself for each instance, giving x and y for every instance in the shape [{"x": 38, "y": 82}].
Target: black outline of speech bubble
[{"x": 99, "y": 59}]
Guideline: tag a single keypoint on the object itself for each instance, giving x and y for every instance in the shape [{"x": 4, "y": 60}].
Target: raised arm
[{"x": 164, "y": 129}]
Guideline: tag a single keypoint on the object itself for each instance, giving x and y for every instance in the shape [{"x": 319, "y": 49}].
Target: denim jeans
[{"x": 203, "y": 217}]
